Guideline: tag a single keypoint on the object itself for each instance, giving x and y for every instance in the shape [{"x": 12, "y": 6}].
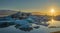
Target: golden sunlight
[
  {"x": 52, "y": 22},
  {"x": 52, "y": 10}
]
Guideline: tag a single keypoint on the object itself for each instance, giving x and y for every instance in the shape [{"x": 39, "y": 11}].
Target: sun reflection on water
[{"x": 52, "y": 22}]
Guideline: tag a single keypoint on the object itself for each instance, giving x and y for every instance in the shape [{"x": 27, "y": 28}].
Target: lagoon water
[{"x": 42, "y": 29}]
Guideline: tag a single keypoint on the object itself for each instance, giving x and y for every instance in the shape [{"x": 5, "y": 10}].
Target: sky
[{"x": 29, "y": 5}]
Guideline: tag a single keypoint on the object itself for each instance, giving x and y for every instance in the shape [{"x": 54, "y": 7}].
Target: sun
[{"x": 52, "y": 10}]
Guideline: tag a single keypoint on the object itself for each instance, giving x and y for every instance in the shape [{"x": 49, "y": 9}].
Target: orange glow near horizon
[{"x": 53, "y": 11}]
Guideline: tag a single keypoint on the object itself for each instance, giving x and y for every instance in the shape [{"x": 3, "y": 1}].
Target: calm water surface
[{"x": 11, "y": 28}]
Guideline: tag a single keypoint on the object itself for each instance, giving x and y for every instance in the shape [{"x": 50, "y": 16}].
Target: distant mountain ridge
[{"x": 6, "y": 12}]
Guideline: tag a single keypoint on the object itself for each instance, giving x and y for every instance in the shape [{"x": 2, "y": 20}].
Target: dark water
[{"x": 10, "y": 27}]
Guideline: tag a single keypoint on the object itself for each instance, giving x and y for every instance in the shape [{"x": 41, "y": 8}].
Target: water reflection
[
  {"x": 17, "y": 26},
  {"x": 54, "y": 23},
  {"x": 23, "y": 29},
  {"x": 5, "y": 24},
  {"x": 28, "y": 27}
]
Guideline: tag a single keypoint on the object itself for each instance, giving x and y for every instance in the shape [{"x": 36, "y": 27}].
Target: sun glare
[{"x": 52, "y": 10}]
